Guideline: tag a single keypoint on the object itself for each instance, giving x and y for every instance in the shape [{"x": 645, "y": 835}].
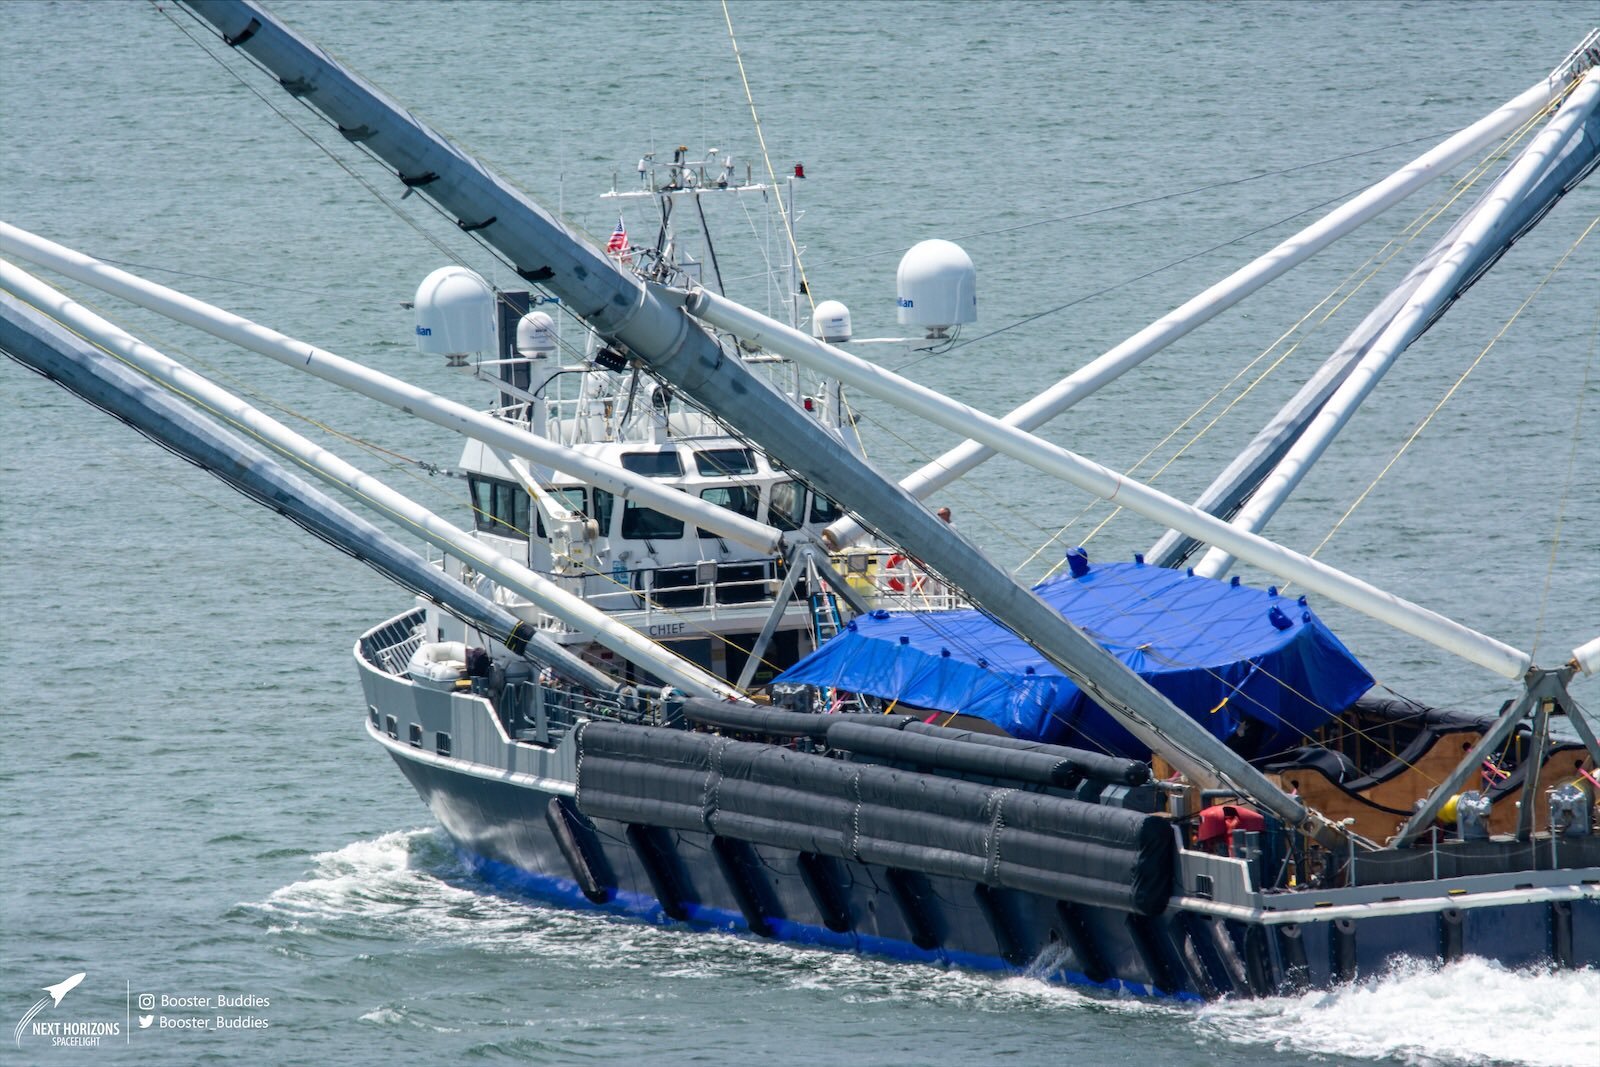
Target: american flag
[{"x": 618, "y": 245}]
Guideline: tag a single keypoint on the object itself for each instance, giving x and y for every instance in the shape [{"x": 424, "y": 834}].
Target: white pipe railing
[
  {"x": 1226, "y": 293},
  {"x": 347, "y": 478},
  {"x": 918, "y": 399},
  {"x": 386, "y": 389},
  {"x": 1408, "y": 325}
]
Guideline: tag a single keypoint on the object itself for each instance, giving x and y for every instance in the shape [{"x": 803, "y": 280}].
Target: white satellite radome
[
  {"x": 536, "y": 335},
  {"x": 936, "y": 287},
  {"x": 455, "y": 314},
  {"x": 830, "y": 322}
]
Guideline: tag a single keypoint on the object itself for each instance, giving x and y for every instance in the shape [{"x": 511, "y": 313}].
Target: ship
[{"x": 697, "y": 662}]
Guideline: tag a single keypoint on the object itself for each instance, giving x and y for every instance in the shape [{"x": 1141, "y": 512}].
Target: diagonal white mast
[
  {"x": 1409, "y": 324},
  {"x": 550, "y": 597},
  {"x": 644, "y": 321},
  {"x": 1295, "y": 250},
  {"x": 1317, "y": 577},
  {"x": 386, "y": 389}
]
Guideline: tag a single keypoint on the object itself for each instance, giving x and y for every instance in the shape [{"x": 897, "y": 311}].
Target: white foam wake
[
  {"x": 1471, "y": 1012},
  {"x": 408, "y": 885},
  {"x": 401, "y": 882}
]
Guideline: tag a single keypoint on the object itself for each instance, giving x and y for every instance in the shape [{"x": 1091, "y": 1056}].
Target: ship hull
[{"x": 510, "y": 834}]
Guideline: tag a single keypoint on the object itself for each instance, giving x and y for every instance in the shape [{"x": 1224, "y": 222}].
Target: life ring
[{"x": 896, "y": 583}]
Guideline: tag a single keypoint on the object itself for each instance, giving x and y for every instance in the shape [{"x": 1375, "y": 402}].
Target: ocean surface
[{"x": 188, "y": 807}]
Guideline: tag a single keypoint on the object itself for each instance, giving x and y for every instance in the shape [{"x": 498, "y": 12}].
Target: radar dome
[
  {"x": 536, "y": 335},
  {"x": 936, "y": 287},
  {"x": 831, "y": 321},
  {"x": 455, "y": 313}
]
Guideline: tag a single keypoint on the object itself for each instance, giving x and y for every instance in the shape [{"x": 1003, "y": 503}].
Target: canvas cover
[{"x": 1228, "y": 655}]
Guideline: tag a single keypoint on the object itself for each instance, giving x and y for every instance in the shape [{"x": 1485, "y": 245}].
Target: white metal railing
[{"x": 888, "y": 579}]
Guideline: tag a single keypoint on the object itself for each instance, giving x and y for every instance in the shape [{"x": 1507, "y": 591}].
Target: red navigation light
[{"x": 799, "y": 170}]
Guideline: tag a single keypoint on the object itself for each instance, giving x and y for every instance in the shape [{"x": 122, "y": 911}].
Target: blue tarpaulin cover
[{"x": 1221, "y": 652}]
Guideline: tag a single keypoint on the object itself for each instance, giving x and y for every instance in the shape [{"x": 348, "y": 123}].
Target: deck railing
[
  {"x": 542, "y": 712},
  {"x": 390, "y": 645}
]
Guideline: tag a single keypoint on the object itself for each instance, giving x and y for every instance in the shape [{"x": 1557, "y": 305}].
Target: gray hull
[{"x": 509, "y": 806}]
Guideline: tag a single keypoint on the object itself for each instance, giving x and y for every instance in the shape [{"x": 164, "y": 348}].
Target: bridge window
[
  {"x": 644, "y": 524},
  {"x": 743, "y": 499},
  {"x": 666, "y": 464},
  {"x": 788, "y": 508},
  {"x": 573, "y": 498},
  {"x": 499, "y": 507},
  {"x": 723, "y": 462},
  {"x": 824, "y": 510},
  {"x": 603, "y": 504}
]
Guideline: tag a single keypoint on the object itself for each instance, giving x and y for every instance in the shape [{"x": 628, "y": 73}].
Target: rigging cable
[
  {"x": 1158, "y": 198},
  {"x": 711, "y": 249},
  {"x": 1031, "y": 318},
  {"x": 761, "y": 139},
  {"x": 1411, "y": 231},
  {"x": 1566, "y": 486},
  {"x": 1157, "y": 270},
  {"x": 1451, "y": 392},
  {"x": 388, "y": 202}
]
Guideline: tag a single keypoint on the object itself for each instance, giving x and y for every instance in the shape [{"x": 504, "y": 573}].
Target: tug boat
[{"x": 698, "y": 663}]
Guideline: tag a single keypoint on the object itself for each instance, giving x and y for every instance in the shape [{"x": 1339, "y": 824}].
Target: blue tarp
[{"x": 1211, "y": 647}]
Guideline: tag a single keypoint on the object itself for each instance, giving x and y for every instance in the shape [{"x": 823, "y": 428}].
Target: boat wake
[
  {"x": 403, "y": 885},
  {"x": 409, "y": 886},
  {"x": 1470, "y": 1012}
]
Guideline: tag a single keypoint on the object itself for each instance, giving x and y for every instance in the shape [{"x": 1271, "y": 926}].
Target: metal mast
[{"x": 658, "y": 332}]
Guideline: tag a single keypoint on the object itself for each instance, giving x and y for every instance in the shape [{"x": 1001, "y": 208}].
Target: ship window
[
  {"x": 666, "y": 464},
  {"x": 441, "y": 743},
  {"x": 643, "y": 524},
  {"x": 512, "y": 505},
  {"x": 416, "y": 736},
  {"x": 788, "y": 506},
  {"x": 743, "y": 499},
  {"x": 603, "y": 502},
  {"x": 482, "y": 503},
  {"x": 824, "y": 510},
  {"x": 392, "y": 727},
  {"x": 572, "y": 498},
  {"x": 499, "y": 507},
  {"x": 722, "y": 462}
]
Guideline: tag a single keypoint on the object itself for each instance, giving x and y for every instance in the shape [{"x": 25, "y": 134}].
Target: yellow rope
[
  {"x": 1411, "y": 231},
  {"x": 1449, "y": 393}
]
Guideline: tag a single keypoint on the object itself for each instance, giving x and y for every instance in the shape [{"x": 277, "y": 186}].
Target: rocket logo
[{"x": 57, "y": 991}]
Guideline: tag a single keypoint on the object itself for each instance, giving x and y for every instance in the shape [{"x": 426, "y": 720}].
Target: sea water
[{"x": 192, "y": 814}]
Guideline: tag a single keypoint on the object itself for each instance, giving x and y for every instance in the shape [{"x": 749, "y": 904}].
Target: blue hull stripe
[{"x": 645, "y": 908}]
